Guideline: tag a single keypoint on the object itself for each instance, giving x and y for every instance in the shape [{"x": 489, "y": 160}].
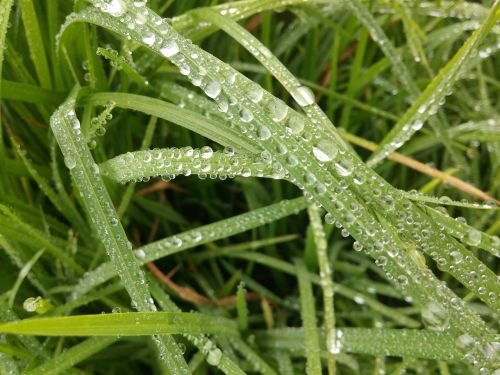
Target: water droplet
[
  {"x": 344, "y": 167},
  {"x": 335, "y": 341},
  {"x": 116, "y": 8},
  {"x": 277, "y": 109},
  {"x": 264, "y": 133},
  {"x": 435, "y": 316},
  {"x": 246, "y": 115},
  {"x": 294, "y": 125},
  {"x": 70, "y": 161},
  {"x": 303, "y": 95},
  {"x": 214, "y": 356},
  {"x": 325, "y": 150},
  {"x": 255, "y": 93},
  {"x": 148, "y": 38},
  {"x": 169, "y": 49},
  {"x": 212, "y": 89},
  {"x": 474, "y": 237},
  {"x": 206, "y": 152}
]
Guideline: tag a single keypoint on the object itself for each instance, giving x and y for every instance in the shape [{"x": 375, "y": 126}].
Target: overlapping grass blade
[{"x": 66, "y": 128}]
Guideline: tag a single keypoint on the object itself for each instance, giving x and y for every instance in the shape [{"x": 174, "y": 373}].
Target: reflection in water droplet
[{"x": 325, "y": 150}]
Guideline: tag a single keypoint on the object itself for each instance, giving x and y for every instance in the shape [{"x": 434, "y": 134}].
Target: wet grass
[{"x": 234, "y": 166}]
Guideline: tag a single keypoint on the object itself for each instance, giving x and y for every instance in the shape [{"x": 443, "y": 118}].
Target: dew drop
[
  {"x": 277, "y": 109},
  {"x": 116, "y": 8},
  {"x": 324, "y": 150},
  {"x": 212, "y": 89},
  {"x": 344, "y": 167},
  {"x": 264, "y": 133},
  {"x": 214, "y": 356},
  {"x": 148, "y": 38},
  {"x": 435, "y": 316},
  {"x": 255, "y": 93},
  {"x": 169, "y": 49},
  {"x": 206, "y": 152},
  {"x": 70, "y": 162},
  {"x": 474, "y": 237},
  {"x": 303, "y": 95}
]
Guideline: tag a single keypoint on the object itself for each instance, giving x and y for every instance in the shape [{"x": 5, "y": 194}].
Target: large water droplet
[
  {"x": 169, "y": 49},
  {"x": 474, "y": 237},
  {"x": 255, "y": 93},
  {"x": 148, "y": 38},
  {"x": 212, "y": 89},
  {"x": 277, "y": 109},
  {"x": 214, "y": 356},
  {"x": 335, "y": 341},
  {"x": 325, "y": 150},
  {"x": 303, "y": 95},
  {"x": 116, "y": 8},
  {"x": 70, "y": 162},
  {"x": 294, "y": 125},
  {"x": 435, "y": 316},
  {"x": 344, "y": 167},
  {"x": 264, "y": 133}
]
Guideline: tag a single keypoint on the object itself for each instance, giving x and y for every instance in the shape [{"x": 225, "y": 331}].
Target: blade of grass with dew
[
  {"x": 78, "y": 159},
  {"x": 400, "y": 342},
  {"x": 188, "y": 119},
  {"x": 195, "y": 237},
  {"x": 326, "y": 282},
  {"x": 68, "y": 210},
  {"x": 303, "y": 98},
  {"x": 308, "y": 314},
  {"x": 432, "y": 97},
  {"x": 22, "y": 275},
  {"x": 123, "y": 324},
  {"x": 212, "y": 86},
  {"x": 133, "y": 166}
]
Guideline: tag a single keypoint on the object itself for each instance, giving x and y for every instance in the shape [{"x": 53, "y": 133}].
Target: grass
[{"x": 176, "y": 198}]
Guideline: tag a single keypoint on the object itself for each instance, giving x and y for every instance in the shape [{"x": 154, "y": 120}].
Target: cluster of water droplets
[
  {"x": 204, "y": 162},
  {"x": 249, "y": 113}
]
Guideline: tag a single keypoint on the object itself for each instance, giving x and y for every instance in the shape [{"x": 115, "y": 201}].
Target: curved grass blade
[
  {"x": 367, "y": 227},
  {"x": 123, "y": 324},
  {"x": 182, "y": 117},
  {"x": 66, "y": 128}
]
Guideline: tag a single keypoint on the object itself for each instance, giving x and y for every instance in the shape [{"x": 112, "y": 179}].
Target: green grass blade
[
  {"x": 196, "y": 237},
  {"x": 168, "y": 163},
  {"x": 35, "y": 42},
  {"x": 325, "y": 274},
  {"x": 66, "y": 128},
  {"x": 397, "y": 342},
  {"x": 74, "y": 355},
  {"x": 188, "y": 119},
  {"x": 123, "y": 324},
  {"x": 308, "y": 314}
]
